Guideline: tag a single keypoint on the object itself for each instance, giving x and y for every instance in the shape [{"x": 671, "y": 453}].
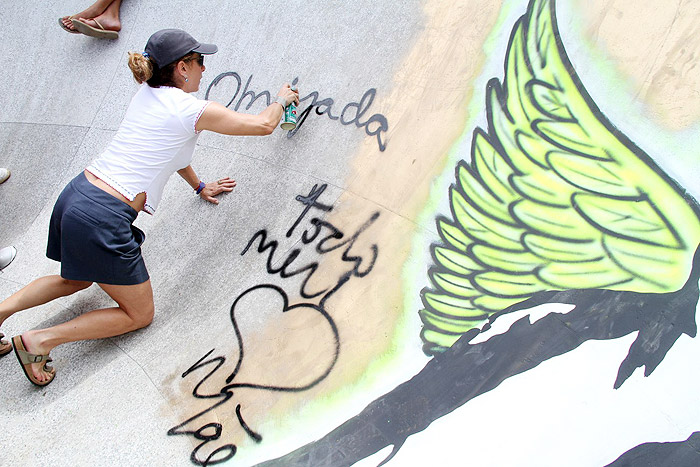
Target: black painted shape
[
  {"x": 465, "y": 371},
  {"x": 680, "y": 454},
  {"x": 283, "y": 270},
  {"x": 330, "y": 241},
  {"x": 310, "y": 201},
  {"x": 286, "y": 308},
  {"x": 374, "y": 125},
  {"x": 245, "y": 426}
]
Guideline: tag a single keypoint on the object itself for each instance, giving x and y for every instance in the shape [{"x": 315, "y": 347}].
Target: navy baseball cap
[{"x": 167, "y": 45}]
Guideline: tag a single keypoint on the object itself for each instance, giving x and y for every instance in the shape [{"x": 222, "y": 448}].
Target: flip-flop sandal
[
  {"x": 88, "y": 30},
  {"x": 5, "y": 347},
  {"x": 26, "y": 359},
  {"x": 65, "y": 28}
]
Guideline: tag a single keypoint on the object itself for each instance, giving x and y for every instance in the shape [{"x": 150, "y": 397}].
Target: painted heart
[{"x": 282, "y": 347}]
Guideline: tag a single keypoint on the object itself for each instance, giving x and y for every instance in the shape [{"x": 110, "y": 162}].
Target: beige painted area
[
  {"x": 427, "y": 113},
  {"x": 427, "y": 109},
  {"x": 656, "y": 45}
]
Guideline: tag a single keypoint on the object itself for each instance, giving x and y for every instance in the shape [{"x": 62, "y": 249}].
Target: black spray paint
[
  {"x": 324, "y": 238},
  {"x": 465, "y": 371},
  {"x": 679, "y": 454},
  {"x": 353, "y": 113}
]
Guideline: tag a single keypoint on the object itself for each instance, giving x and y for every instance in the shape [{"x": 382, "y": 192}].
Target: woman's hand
[
  {"x": 212, "y": 189},
  {"x": 289, "y": 95}
]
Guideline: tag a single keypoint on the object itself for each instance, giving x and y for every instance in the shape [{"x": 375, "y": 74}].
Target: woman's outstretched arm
[{"x": 222, "y": 120}]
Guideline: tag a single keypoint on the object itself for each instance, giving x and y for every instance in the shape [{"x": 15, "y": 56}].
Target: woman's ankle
[
  {"x": 3, "y": 317},
  {"x": 37, "y": 342}
]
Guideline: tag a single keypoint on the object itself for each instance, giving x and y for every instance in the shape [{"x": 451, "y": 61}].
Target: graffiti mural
[
  {"x": 556, "y": 205},
  {"x": 322, "y": 353},
  {"x": 479, "y": 246}
]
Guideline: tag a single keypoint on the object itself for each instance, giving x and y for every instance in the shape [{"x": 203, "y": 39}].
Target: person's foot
[
  {"x": 90, "y": 12},
  {"x": 42, "y": 374},
  {"x": 5, "y": 346},
  {"x": 4, "y": 174},
  {"x": 7, "y": 254},
  {"x": 103, "y": 21}
]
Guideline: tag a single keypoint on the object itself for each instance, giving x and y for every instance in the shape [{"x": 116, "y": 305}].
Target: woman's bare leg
[
  {"x": 109, "y": 19},
  {"x": 134, "y": 310},
  {"x": 38, "y": 292},
  {"x": 93, "y": 10}
]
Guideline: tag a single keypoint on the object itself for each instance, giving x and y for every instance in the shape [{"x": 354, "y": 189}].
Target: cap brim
[{"x": 206, "y": 49}]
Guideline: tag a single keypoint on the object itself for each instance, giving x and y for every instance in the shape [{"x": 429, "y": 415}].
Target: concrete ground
[{"x": 308, "y": 350}]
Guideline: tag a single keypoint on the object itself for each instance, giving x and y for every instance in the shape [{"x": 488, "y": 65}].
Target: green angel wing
[{"x": 554, "y": 198}]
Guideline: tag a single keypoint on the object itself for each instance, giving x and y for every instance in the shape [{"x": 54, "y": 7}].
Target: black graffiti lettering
[
  {"x": 382, "y": 126},
  {"x": 321, "y": 248},
  {"x": 245, "y": 426},
  {"x": 228, "y": 74},
  {"x": 307, "y": 237},
  {"x": 352, "y": 112},
  {"x": 329, "y": 238},
  {"x": 318, "y": 227},
  {"x": 200, "y": 364},
  {"x": 283, "y": 270},
  {"x": 216, "y": 428},
  {"x": 324, "y": 108},
  {"x": 309, "y": 201},
  {"x": 229, "y": 449},
  {"x": 359, "y": 108},
  {"x": 201, "y": 433},
  {"x": 254, "y": 96}
]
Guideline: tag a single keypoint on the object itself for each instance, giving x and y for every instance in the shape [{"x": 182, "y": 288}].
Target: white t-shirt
[{"x": 155, "y": 139}]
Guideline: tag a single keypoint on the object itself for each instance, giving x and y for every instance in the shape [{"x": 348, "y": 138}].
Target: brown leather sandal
[
  {"x": 26, "y": 359},
  {"x": 5, "y": 347}
]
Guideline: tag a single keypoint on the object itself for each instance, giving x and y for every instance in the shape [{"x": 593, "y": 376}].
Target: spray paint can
[{"x": 289, "y": 121}]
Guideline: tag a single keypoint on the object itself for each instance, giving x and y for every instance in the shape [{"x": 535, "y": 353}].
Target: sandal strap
[
  {"x": 26, "y": 357},
  {"x": 98, "y": 24}
]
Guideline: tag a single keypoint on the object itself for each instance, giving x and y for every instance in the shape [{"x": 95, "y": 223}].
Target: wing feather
[
  {"x": 454, "y": 284},
  {"x": 562, "y": 250},
  {"x": 564, "y": 223},
  {"x": 455, "y": 261},
  {"x": 554, "y": 198},
  {"x": 482, "y": 227},
  {"x": 474, "y": 189}
]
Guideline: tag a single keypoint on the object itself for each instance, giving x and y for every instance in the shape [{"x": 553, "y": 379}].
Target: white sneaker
[
  {"x": 4, "y": 175},
  {"x": 7, "y": 254}
]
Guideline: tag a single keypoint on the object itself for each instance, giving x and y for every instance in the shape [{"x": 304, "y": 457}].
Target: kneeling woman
[{"x": 91, "y": 230}]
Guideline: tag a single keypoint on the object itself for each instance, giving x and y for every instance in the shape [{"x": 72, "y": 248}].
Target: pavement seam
[
  {"x": 155, "y": 386},
  {"x": 344, "y": 190}
]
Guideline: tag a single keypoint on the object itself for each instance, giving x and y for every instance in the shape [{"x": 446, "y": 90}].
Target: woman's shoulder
[{"x": 178, "y": 97}]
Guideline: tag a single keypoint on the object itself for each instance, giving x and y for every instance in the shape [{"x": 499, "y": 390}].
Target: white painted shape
[
  {"x": 504, "y": 322},
  {"x": 566, "y": 412},
  {"x": 375, "y": 459}
]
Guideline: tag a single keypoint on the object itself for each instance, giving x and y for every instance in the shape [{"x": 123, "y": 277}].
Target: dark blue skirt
[{"x": 92, "y": 234}]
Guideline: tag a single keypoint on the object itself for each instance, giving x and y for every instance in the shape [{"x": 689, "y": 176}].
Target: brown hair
[{"x": 145, "y": 70}]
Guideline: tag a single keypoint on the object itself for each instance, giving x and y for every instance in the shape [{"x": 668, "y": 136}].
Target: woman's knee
[
  {"x": 135, "y": 300},
  {"x": 142, "y": 317}
]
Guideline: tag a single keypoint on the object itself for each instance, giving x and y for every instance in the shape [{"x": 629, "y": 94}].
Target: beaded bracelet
[{"x": 201, "y": 186}]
